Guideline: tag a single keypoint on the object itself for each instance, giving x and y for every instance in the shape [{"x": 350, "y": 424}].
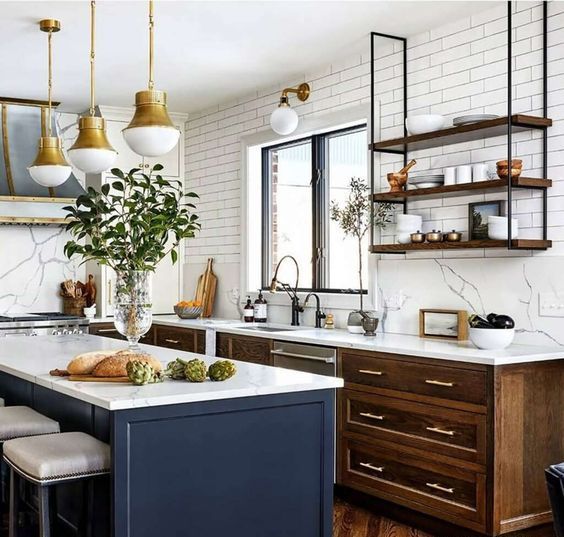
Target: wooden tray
[{"x": 91, "y": 378}]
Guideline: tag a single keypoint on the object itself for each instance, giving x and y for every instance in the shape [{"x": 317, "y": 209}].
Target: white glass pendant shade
[
  {"x": 151, "y": 141},
  {"x": 50, "y": 168},
  {"x": 284, "y": 120},
  {"x": 92, "y": 160},
  {"x": 151, "y": 132},
  {"x": 92, "y": 152},
  {"x": 50, "y": 175}
]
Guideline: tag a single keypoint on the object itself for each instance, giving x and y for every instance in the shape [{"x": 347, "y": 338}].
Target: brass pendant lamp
[
  {"x": 50, "y": 167},
  {"x": 92, "y": 152},
  {"x": 151, "y": 133}
]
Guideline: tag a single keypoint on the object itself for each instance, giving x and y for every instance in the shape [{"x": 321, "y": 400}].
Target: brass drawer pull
[
  {"x": 370, "y": 372},
  {"x": 375, "y": 468},
  {"x": 439, "y": 383},
  {"x": 371, "y": 416},
  {"x": 436, "y": 486},
  {"x": 107, "y": 330},
  {"x": 440, "y": 431},
  {"x": 174, "y": 341}
]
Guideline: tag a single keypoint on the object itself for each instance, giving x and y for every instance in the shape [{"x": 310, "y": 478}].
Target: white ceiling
[{"x": 206, "y": 52}]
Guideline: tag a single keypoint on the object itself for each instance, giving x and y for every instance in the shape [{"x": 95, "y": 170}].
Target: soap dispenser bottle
[
  {"x": 260, "y": 309},
  {"x": 249, "y": 311}
]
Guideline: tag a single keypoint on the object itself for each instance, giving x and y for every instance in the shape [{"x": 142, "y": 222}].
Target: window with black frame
[{"x": 300, "y": 179}]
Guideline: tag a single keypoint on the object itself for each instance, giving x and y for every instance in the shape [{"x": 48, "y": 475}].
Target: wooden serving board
[{"x": 91, "y": 378}]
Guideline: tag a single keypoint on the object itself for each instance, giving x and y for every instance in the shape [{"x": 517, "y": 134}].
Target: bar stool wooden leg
[
  {"x": 87, "y": 515},
  {"x": 14, "y": 504},
  {"x": 44, "y": 511}
]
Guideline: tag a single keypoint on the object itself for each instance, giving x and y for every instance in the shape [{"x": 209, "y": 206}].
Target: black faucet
[
  {"x": 292, "y": 291},
  {"x": 319, "y": 315}
]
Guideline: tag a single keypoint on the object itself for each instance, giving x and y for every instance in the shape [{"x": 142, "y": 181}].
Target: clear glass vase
[{"x": 133, "y": 305}]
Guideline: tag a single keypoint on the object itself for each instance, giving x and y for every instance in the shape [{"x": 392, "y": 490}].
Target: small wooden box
[{"x": 74, "y": 306}]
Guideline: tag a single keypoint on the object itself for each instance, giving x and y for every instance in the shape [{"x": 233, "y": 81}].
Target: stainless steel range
[{"x": 41, "y": 324}]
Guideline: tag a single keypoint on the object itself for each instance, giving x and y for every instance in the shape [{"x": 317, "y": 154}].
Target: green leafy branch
[{"x": 133, "y": 222}]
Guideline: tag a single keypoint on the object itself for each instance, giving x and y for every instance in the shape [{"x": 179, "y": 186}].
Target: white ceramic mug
[
  {"x": 464, "y": 174},
  {"x": 479, "y": 172},
  {"x": 450, "y": 175}
]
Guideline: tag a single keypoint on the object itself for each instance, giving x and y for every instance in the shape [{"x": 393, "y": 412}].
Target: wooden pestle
[{"x": 407, "y": 167}]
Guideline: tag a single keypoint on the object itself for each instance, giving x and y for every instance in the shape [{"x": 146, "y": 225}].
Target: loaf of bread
[
  {"x": 116, "y": 364},
  {"x": 84, "y": 363}
]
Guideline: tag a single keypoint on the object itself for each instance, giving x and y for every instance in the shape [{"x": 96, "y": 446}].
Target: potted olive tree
[
  {"x": 355, "y": 218},
  {"x": 130, "y": 225}
]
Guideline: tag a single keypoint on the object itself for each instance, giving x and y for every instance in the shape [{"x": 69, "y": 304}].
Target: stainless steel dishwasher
[{"x": 308, "y": 358}]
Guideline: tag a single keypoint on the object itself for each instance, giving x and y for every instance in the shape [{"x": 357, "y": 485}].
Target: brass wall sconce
[{"x": 284, "y": 120}]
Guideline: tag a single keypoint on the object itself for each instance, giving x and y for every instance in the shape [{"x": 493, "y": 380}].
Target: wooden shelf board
[
  {"x": 463, "y": 189},
  {"x": 464, "y": 133},
  {"x": 520, "y": 244}
]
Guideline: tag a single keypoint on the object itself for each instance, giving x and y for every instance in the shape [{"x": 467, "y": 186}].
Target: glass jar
[{"x": 132, "y": 305}]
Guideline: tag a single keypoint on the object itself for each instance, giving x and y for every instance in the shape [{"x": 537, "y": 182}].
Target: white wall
[{"x": 455, "y": 69}]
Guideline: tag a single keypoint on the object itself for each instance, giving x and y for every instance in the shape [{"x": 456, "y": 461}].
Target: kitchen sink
[{"x": 265, "y": 329}]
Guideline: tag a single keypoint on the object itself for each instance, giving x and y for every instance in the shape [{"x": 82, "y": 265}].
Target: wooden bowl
[
  {"x": 515, "y": 163},
  {"x": 502, "y": 173}
]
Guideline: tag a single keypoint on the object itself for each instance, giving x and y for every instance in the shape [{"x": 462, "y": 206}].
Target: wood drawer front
[
  {"x": 453, "y": 433},
  {"x": 255, "y": 350},
  {"x": 176, "y": 338},
  {"x": 425, "y": 379},
  {"x": 445, "y": 491}
]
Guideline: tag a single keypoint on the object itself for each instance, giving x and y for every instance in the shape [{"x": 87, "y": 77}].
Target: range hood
[{"x": 22, "y": 200}]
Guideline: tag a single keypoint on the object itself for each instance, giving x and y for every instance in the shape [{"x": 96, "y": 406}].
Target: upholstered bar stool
[
  {"x": 49, "y": 460},
  {"x": 18, "y": 421}
]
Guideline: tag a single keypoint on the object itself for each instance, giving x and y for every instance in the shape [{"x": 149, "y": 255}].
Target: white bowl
[
  {"x": 423, "y": 123},
  {"x": 491, "y": 338},
  {"x": 497, "y": 229}
]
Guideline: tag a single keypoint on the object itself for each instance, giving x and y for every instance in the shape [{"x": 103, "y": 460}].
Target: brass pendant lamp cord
[
  {"x": 151, "y": 45},
  {"x": 92, "y": 54},
  {"x": 50, "y": 82}
]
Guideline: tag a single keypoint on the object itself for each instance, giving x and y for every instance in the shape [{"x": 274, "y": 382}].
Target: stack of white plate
[
  {"x": 427, "y": 180},
  {"x": 472, "y": 118}
]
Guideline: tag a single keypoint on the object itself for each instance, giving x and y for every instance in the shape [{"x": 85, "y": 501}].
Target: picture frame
[
  {"x": 443, "y": 324},
  {"x": 477, "y": 218}
]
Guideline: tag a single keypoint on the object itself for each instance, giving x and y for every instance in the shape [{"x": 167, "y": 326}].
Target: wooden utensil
[{"x": 205, "y": 290}]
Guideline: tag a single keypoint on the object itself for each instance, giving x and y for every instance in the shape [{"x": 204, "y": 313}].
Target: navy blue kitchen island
[{"x": 248, "y": 457}]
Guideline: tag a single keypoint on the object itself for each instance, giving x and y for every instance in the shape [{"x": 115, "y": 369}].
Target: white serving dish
[
  {"x": 491, "y": 338},
  {"x": 422, "y": 123},
  {"x": 472, "y": 118},
  {"x": 428, "y": 184}
]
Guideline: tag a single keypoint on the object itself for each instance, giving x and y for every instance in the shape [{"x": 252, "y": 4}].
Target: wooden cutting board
[
  {"x": 91, "y": 378},
  {"x": 205, "y": 290}
]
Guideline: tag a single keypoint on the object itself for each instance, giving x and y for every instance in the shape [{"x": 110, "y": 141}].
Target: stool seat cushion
[
  {"x": 2, "y": 401},
  {"x": 18, "y": 421},
  {"x": 58, "y": 457}
]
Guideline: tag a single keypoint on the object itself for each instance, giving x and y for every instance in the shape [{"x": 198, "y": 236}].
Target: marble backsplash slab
[
  {"x": 32, "y": 267},
  {"x": 510, "y": 286}
]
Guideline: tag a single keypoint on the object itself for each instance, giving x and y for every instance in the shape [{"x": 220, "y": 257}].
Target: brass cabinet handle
[
  {"x": 436, "y": 486},
  {"x": 439, "y": 383},
  {"x": 371, "y": 416},
  {"x": 106, "y": 330},
  {"x": 370, "y": 372},
  {"x": 440, "y": 431},
  {"x": 175, "y": 341},
  {"x": 375, "y": 468},
  {"x": 109, "y": 292}
]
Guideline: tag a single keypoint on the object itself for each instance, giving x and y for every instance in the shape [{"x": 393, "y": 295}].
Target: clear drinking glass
[{"x": 133, "y": 305}]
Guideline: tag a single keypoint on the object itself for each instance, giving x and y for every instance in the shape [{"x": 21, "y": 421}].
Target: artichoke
[
  {"x": 176, "y": 369},
  {"x": 222, "y": 370},
  {"x": 195, "y": 370},
  {"x": 141, "y": 373}
]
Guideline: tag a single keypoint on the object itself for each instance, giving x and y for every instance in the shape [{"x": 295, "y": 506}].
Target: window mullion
[{"x": 319, "y": 212}]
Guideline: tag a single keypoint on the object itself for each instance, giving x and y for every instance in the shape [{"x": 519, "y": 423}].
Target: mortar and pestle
[
  {"x": 398, "y": 180},
  {"x": 369, "y": 324}
]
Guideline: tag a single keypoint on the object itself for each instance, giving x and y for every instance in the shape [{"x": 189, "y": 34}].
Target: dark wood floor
[{"x": 352, "y": 521}]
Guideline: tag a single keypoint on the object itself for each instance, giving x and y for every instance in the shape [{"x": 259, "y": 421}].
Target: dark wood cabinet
[
  {"x": 469, "y": 448},
  {"x": 109, "y": 330},
  {"x": 183, "y": 339},
  {"x": 247, "y": 349}
]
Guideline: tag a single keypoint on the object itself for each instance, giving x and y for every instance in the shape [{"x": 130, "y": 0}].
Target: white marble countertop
[
  {"x": 31, "y": 358},
  {"x": 409, "y": 345}
]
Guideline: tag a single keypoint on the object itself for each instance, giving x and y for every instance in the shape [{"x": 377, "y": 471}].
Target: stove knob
[
  {"x": 66, "y": 332},
  {"x": 56, "y": 332},
  {"x": 33, "y": 333},
  {"x": 77, "y": 331}
]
